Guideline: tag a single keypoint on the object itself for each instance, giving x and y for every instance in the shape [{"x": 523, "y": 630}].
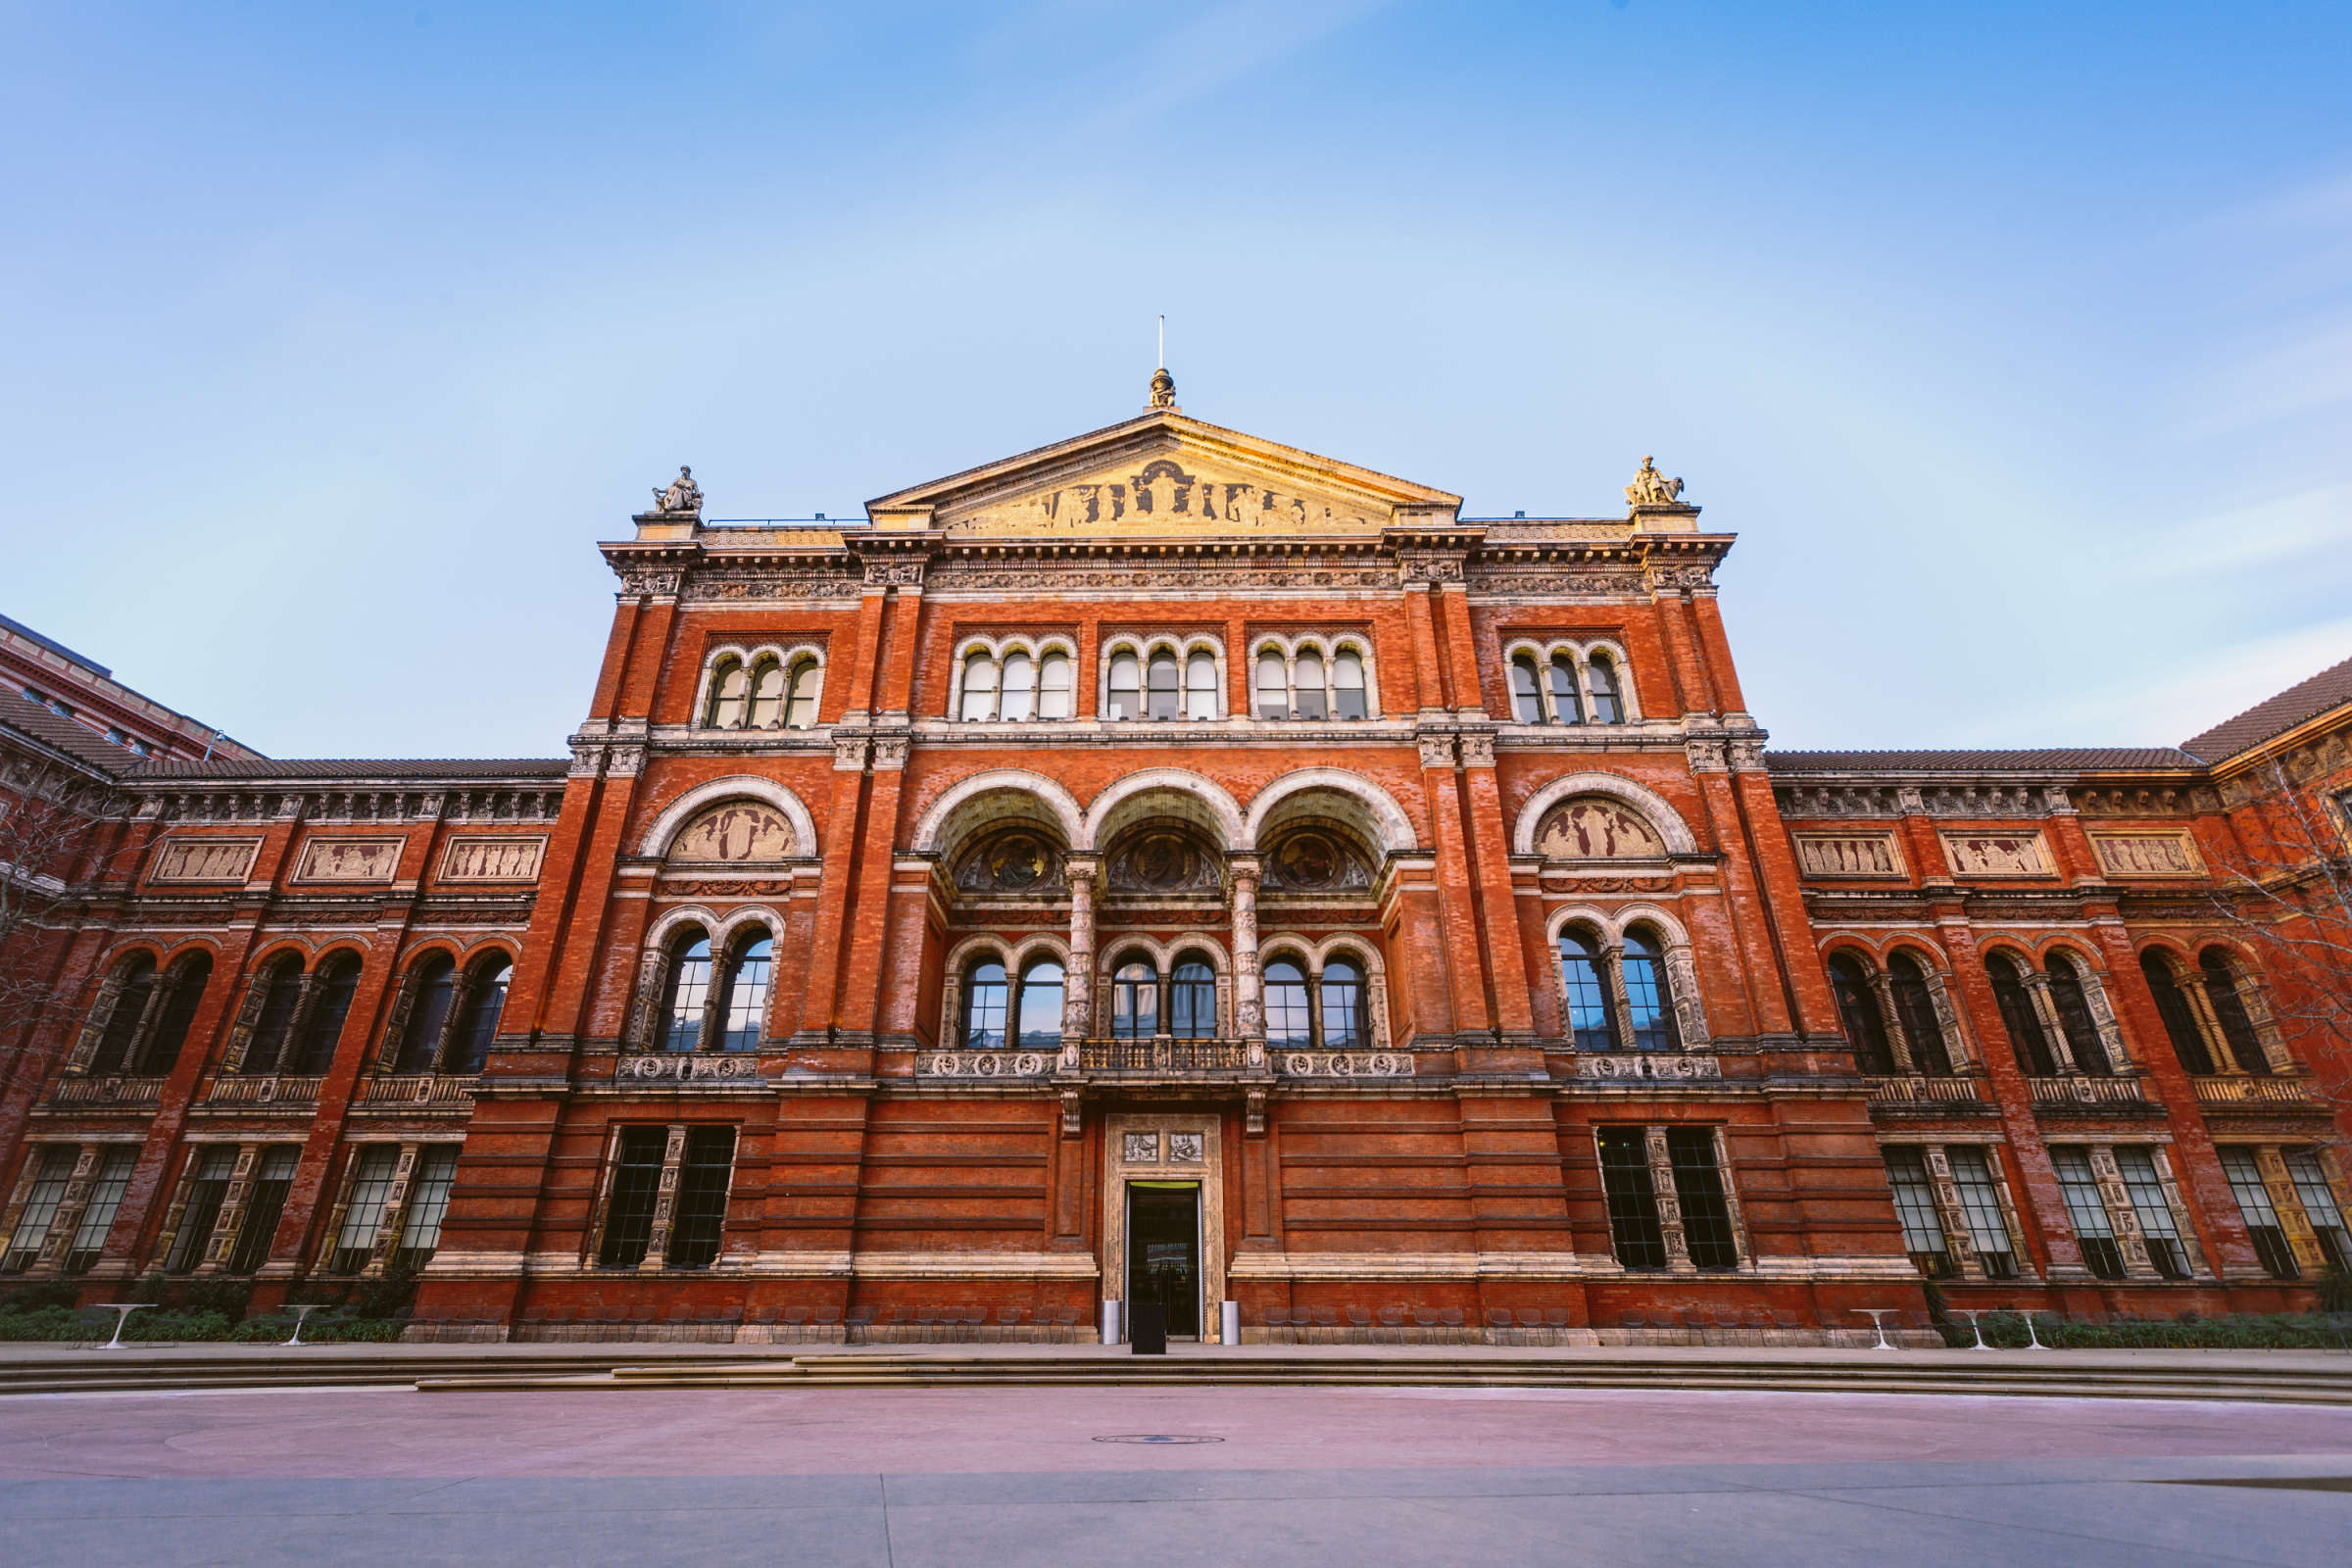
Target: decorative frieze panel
[
  {"x": 1345, "y": 1063},
  {"x": 1596, "y": 827},
  {"x": 356, "y": 861},
  {"x": 492, "y": 860},
  {"x": 1996, "y": 853},
  {"x": 735, "y": 833},
  {"x": 1163, "y": 497},
  {"x": 205, "y": 859},
  {"x": 984, "y": 1065},
  {"x": 1849, "y": 855},
  {"x": 2169, "y": 853},
  {"x": 688, "y": 1067},
  {"x": 1648, "y": 1068}
]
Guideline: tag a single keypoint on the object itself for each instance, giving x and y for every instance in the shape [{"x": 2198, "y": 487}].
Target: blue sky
[{"x": 2014, "y": 340}]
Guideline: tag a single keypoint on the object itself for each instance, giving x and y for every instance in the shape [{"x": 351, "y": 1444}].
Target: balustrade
[
  {"x": 116, "y": 1093},
  {"x": 431, "y": 1091},
  {"x": 266, "y": 1089}
]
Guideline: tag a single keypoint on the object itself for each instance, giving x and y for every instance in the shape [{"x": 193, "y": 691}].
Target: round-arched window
[
  {"x": 1343, "y": 1024},
  {"x": 1289, "y": 1017},
  {"x": 1135, "y": 1002},
  {"x": 1193, "y": 1000}
]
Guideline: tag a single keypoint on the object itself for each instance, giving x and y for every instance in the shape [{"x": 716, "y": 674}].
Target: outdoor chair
[
  {"x": 1067, "y": 1318},
  {"x": 1391, "y": 1317},
  {"x": 1451, "y": 1317},
  {"x": 1327, "y": 1317},
  {"x": 1556, "y": 1317},
  {"x": 1498, "y": 1317},
  {"x": 1427, "y": 1320},
  {"x": 1632, "y": 1320},
  {"x": 825, "y": 1319},
  {"x": 679, "y": 1315},
  {"x": 1007, "y": 1316},
  {"x": 641, "y": 1315},
  {"x": 1359, "y": 1317},
  {"x": 1530, "y": 1318},
  {"x": 974, "y": 1316},
  {"x": 859, "y": 1319}
]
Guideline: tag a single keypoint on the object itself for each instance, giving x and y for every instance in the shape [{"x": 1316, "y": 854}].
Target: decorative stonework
[
  {"x": 1345, "y": 1063},
  {"x": 734, "y": 833},
  {"x": 349, "y": 860},
  {"x": 654, "y": 581},
  {"x": 1996, "y": 853},
  {"x": 493, "y": 859},
  {"x": 682, "y": 1067},
  {"x": 205, "y": 859},
  {"x": 1849, "y": 855},
  {"x": 1595, "y": 828},
  {"x": 1651, "y": 488},
  {"x": 1651, "y": 1067},
  {"x": 680, "y": 498},
  {"x": 2171, "y": 854},
  {"x": 894, "y": 573},
  {"x": 1165, "y": 496},
  {"x": 985, "y": 1064}
]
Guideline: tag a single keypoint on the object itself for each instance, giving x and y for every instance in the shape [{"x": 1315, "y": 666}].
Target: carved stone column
[
  {"x": 2122, "y": 1214},
  {"x": 1881, "y": 992},
  {"x": 666, "y": 1203},
  {"x": 1670, "y": 1200},
  {"x": 1248, "y": 998},
  {"x": 224, "y": 1238},
  {"x": 1078, "y": 996},
  {"x": 1621, "y": 1003},
  {"x": 2045, "y": 1015},
  {"x": 2209, "y": 1026},
  {"x": 1948, "y": 1023},
  {"x": 1958, "y": 1240}
]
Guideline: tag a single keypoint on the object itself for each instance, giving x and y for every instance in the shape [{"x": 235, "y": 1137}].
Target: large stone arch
[
  {"x": 951, "y": 818},
  {"x": 1207, "y": 804},
  {"x": 742, "y": 787},
  {"x": 1652, "y": 806},
  {"x": 1381, "y": 817}
]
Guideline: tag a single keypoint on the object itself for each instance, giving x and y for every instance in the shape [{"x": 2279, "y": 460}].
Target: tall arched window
[
  {"x": 186, "y": 980},
  {"x": 2026, "y": 1038},
  {"x": 2230, "y": 1012},
  {"x": 1288, "y": 1018},
  {"x": 1648, "y": 998},
  {"x": 1342, "y": 1006},
  {"x": 1135, "y": 1002},
  {"x": 1527, "y": 699},
  {"x": 979, "y": 688},
  {"x": 1166, "y": 699},
  {"x": 123, "y": 1023},
  {"x": 1041, "y": 1006},
  {"x": 2180, "y": 1019},
  {"x": 280, "y": 986},
  {"x": 433, "y": 987},
  {"x": 1347, "y": 696},
  {"x": 477, "y": 1021},
  {"x": 1126, "y": 685},
  {"x": 1053, "y": 686},
  {"x": 1019, "y": 697},
  {"x": 1306, "y": 685},
  {"x": 685, "y": 994},
  {"x": 1592, "y": 1026},
  {"x": 1273, "y": 686},
  {"x": 1916, "y": 1007},
  {"x": 767, "y": 695},
  {"x": 2074, "y": 1017},
  {"x": 727, "y": 690},
  {"x": 1567, "y": 707},
  {"x": 800, "y": 709},
  {"x": 744, "y": 1010},
  {"x": 986, "y": 996},
  {"x": 1601, "y": 676},
  {"x": 1200, "y": 684},
  {"x": 1193, "y": 1000},
  {"x": 1858, "y": 1010},
  {"x": 330, "y": 1004}
]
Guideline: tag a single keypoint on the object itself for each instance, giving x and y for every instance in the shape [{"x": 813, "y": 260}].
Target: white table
[
  {"x": 1877, "y": 1321},
  {"x": 121, "y": 1311}
]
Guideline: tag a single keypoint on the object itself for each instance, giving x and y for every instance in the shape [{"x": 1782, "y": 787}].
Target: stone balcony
[
  {"x": 2246, "y": 1095},
  {"x": 1916, "y": 1095},
  {"x": 2079, "y": 1095},
  {"x": 113, "y": 1092},
  {"x": 262, "y": 1092},
  {"x": 1163, "y": 1060},
  {"x": 410, "y": 1093}
]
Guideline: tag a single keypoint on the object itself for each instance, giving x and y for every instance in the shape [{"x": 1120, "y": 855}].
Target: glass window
[
  {"x": 703, "y": 1179},
  {"x": 2262, "y": 1220},
  {"x": 1647, "y": 996},
  {"x": 1632, "y": 1198},
  {"x": 2154, "y": 1211},
  {"x": 984, "y": 1001},
  {"x": 979, "y": 689},
  {"x": 1200, "y": 685},
  {"x": 1527, "y": 703},
  {"x": 636, "y": 1186},
  {"x": 428, "y": 1200},
  {"x": 1980, "y": 1202},
  {"x": 2074, "y": 1017},
  {"x": 187, "y": 981},
  {"x": 808, "y": 678},
  {"x": 1566, "y": 706},
  {"x": 106, "y": 1201},
  {"x": 123, "y": 1023},
  {"x": 767, "y": 696},
  {"x": 1288, "y": 1020},
  {"x": 1165, "y": 699},
  {"x": 338, "y": 982},
  {"x": 685, "y": 995},
  {"x": 1053, "y": 686},
  {"x": 2026, "y": 1039},
  {"x": 1601, "y": 676},
  {"x": 747, "y": 998},
  {"x": 1306, "y": 681},
  {"x": 1347, "y": 697},
  {"x": 1698, "y": 1189},
  {"x": 1019, "y": 688},
  {"x": 372, "y": 1165},
  {"x": 1916, "y": 1008},
  {"x": 1343, "y": 1007},
  {"x": 2088, "y": 1210},
  {"x": 49, "y": 1180},
  {"x": 477, "y": 1025},
  {"x": 727, "y": 689},
  {"x": 281, "y": 990},
  {"x": 272, "y": 1179},
  {"x": 2230, "y": 1012},
  {"x": 1915, "y": 1207},
  {"x": 1589, "y": 1024},
  {"x": 2310, "y": 1177},
  {"x": 1126, "y": 686},
  {"x": 208, "y": 1189},
  {"x": 1273, "y": 686},
  {"x": 1858, "y": 1010},
  {"x": 2180, "y": 1019},
  {"x": 435, "y": 984},
  {"x": 1041, "y": 1006},
  {"x": 1135, "y": 1002},
  {"x": 1193, "y": 1000}
]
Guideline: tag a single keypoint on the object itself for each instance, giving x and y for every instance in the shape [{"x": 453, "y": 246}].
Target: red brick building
[{"x": 1169, "y": 865}]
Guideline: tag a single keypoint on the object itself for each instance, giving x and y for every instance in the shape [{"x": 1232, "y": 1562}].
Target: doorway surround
[{"x": 1165, "y": 1147}]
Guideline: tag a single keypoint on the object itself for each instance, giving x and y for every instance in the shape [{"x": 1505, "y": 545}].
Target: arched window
[
  {"x": 434, "y": 986},
  {"x": 2074, "y": 1017},
  {"x": 1135, "y": 1002},
  {"x": 1601, "y": 676},
  {"x": 1342, "y": 1006},
  {"x": 187, "y": 981},
  {"x": 1165, "y": 697},
  {"x": 1567, "y": 707},
  {"x": 1858, "y": 1010},
  {"x": 2230, "y": 1012},
  {"x": 1126, "y": 685},
  {"x": 684, "y": 993},
  {"x": 1648, "y": 999},
  {"x": 1273, "y": 686},
  {"x": 477, "y": 1021},
  {"x": 1289, "y": 1021},
  {"x": 1590, "y": 1025},
  {"x": 1200, "y": 685},
  {"x": 2180, "y": 1019},
  {"x": 800, "y": 709},
  {"x": 745, "y": 1008},
  {"x": 2017, "y": 1019},
  {"x": 727, "y": 688},
  {"x": 281, "y": 992},
  {"x": 1193, "y": 1000},
  {"x": 767, "y": 695},
  {"x": 1053, "y": 686},
  {"x": 1041, "y": 1006},
  {"x": 1306, "y": 685},
  {"x": 122, "y": 1024},
  {"x": 1020, "y": 688},
  {"x": 1527, "y": 702},
  {"x": 1916, "y": 1007},
  {"x": 979, "y": 689},
  {"x": 330, "y": 1004},
  {"x": 1347, "y": 697},
  {"x": 985, "y": 996}
]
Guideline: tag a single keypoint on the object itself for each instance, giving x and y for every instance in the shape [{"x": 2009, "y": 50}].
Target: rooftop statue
[
  {"x": 1651, "y": 488},
  {"x": 1163, "y": 390},
  {"x": 682, "y": 496}
]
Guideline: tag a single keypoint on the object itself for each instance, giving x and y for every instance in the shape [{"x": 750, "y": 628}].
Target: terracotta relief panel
[
  {"x": 1595, "y": 828},
  {"x": 1996, "y": 853},
  {"x": 205, "y": 859},
  {"x": 735, "y": 833},
  {"x": 2171, "y": 854},
  {"x": 1170, "y": 495},
  {"x": 348, "y": 860},
  {"x": 1848, "y": 854},
  {"x": 492, "y": 860}
]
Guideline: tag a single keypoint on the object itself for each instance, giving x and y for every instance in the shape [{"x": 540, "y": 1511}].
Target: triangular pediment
[{"x": 1160, "y": 475}]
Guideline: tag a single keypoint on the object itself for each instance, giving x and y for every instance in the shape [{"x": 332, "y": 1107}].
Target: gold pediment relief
[{"x": 1172, "y": 494}]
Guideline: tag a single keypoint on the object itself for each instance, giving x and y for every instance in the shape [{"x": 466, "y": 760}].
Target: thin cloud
[
  {"x": 2163, "y": 703},
  {"x": 2271, "y": 530}
]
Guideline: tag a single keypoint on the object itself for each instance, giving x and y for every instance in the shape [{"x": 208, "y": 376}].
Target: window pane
[
  {"x": 2327, "y": 1218},
  {"x": 1590, "y": 1025},
  {"x": 2153, "y": 1210},
  {"x": 747, "y": 998},
  {"x": 322, "y": 1030},
  {"x": 50, "y": 1178},
  {"x": 2229, "y": 1011},
  {"x": 1041, "y": 1006},
  {"x": 1915, "y": 1207},
  {"x": 807, "y": 677},
  {"x": 636, "y": 1184},
  {"x": 2087, "y": 1210},
  {"x": 206, "y": 1192},
  {"x": 727, "y": 689},
  {"x": 1343, "y": 1007},
  {"x": 122, "y": 1024},
  {"x": 1273, "y": 687},
  {"x": 1648, "y": 997},
  {"x": 1858, "y": 1010},
  {"x": 984, "y": 1003},
  {"x": 1020, "y": 686},
  {"x": 1601, "y": 676},
  {"x": 1053, "y": 687},
  {"x": 187, "y": 982},
  {"x": 1135, "y": 1002},
  {"x": 436, "y": 985},
  {"x": 1347, "y": 686},
  {"x": 1981, "y": 1201},
  {"x": 1126, "y": 686},
  {"x": 767, "y": 696},
  {"x": 273, "y": 1177},
  {"x": 1288, "y": 1017},
  {"x": 281, "y": 988},
  {"x": 1164, "y": 686},
  {"x": 2017, "y": 1019},
  {"x": 1566, "y": 706},
  {"x": 2262, "y": 1220},
  {"x": 106, "y": 1201},
  {"x": 363, "y": 1215},
  {"x": 1698, "y": 1187},
  {"x": 1917, "y": 1011},
  {"x": 2074, "y": 1017},
  {"x": 2180, "y": 1019},
  {"x": 689, "y": 993},
  {"x": 702, "y": 1215},
  {"x": 1193, "y": 1001},
  {"x": 1200, "y": 686},
  {"x": 979, "y": 689},
  {"x": 1527, "y": 704},
  {"x": 484, "y": 1005},
  {"x": 428, "y": 1200},
  {"x": 1632, "y": 1198},
  {"x": 1306, "y": 681}
]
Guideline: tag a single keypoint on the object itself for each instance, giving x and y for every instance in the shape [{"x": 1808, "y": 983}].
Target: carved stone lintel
[
  {"x": 653, "y": 581},
  {"x": 1648, "y": 1068},
  {"x": 687, "y": 1066},
  {"x": 986, "y": 1064},
  {"x": 900, "y": 573},
  {"x": 1345, "y": 1063},
  {"x": 1745, "y": 756},
  {"x": 1424, "y": 567}
]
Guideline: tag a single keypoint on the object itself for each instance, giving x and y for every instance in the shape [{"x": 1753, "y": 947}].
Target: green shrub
[{"x": 2336, "y": 1291}]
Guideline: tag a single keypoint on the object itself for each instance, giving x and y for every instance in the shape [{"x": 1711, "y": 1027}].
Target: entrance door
[{"x": 1163, "y": 1251}]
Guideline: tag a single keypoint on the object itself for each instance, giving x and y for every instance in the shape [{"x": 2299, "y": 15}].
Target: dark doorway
[{"x": 1163, "y": 1251}]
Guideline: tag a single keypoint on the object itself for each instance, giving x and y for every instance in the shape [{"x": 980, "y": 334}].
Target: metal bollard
[
  {"x": 1110, "y": 1322},
  {"x": 1229, "y": 1322}
]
